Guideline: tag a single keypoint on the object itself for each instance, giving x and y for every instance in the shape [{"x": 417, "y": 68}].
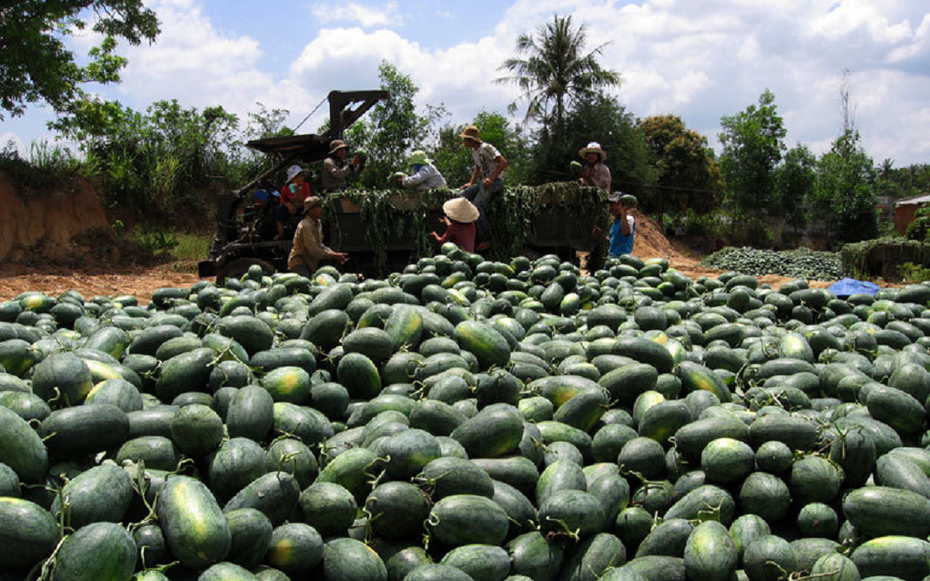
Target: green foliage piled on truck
[{"x": 397, "y": 215}]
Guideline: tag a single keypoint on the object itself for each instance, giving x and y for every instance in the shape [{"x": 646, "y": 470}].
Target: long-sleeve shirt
[
  {"x": 460, "y": 234},
  {"x": 308, "y": 248},
  {"x": 427, "y": 177},
  {"x": 597, "y": 175},
  {"x": 336, "y": 173}
]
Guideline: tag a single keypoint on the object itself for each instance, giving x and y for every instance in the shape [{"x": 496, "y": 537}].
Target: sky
[{"x": 699, "y": 59}]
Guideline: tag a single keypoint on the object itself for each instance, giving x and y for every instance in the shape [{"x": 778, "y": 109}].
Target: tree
[
  {"x": 844, "y": 191},
  {"x": 35, "y": 66},
  {"x": 392, "y": 130},
  {"x": 556, "y": 73},
  {"x": 688, "y": 176},
  {"x": 753, "y": 142},
  {"x": 794, "y": 185},
  {"x": 604, "y": 120}
]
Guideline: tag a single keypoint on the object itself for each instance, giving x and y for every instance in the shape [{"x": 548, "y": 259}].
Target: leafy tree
[
  {"x": 392, "y": 129},
  {"x": 794, "y": 185},
  {"x": 753, "y": 142},
  {"x": 844, "y": 190},
  {"x": 157, "y": 164},
  {"x": 35, "y": 66},
  {"x": 604, "y": 120},
  {"x": 688, "y": 176},
  {"x": 555, "y": 73}
]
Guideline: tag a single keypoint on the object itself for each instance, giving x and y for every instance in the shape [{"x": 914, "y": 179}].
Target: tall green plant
[
  {"x": 35, "y": 62},
  {"x": 844, "y": 192},
  {"x": 688, "y": 177},
  {"x": 553, "y": 71},
  {"x": 794, "y": 185},
  {"x": 393, "y": 129},
  {"x": 753, "y": 142}
]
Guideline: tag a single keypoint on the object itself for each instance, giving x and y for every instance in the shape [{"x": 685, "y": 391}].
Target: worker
[
  {"x": 623, "y": 228},
  {"x": 460, "y": 216},
  {"x": 485, "y": 182},
  {"x": 293, "y": 193},
  {"x": 336, "y": 170},
  {"x": 308, "y": 248},
  {"x": 595, "y": 173},
  {"x": 425, "y": 176}
]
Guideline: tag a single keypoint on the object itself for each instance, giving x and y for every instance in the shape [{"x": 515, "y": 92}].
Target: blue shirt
[{"x": 620, "y": 244}]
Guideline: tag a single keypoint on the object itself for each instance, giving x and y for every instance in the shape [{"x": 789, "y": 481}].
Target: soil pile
[{"x": 50, "y": 219}]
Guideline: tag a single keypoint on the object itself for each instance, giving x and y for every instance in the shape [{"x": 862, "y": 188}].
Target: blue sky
[{"x": 698, "y": 59}]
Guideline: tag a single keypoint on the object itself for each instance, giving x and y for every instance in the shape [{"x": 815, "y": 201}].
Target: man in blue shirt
[{"x": 623, "y": 228}]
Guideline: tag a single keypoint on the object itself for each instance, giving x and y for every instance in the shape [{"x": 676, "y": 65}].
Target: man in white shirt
[{"x": 489, "y": 164}]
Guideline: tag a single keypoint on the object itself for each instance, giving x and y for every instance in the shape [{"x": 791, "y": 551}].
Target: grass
[{"x": 191, "y": 246}]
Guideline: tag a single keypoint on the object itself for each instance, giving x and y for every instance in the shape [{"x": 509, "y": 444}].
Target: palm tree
[{"x": 556, "y": 70}]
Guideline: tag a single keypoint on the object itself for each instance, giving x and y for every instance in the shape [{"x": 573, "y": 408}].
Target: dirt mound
[
  {"x": 649, "y": 241},
  {"x": 51, "y": 218}
]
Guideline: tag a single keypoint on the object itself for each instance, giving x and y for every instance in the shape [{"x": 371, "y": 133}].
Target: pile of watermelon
[{"x": 467, "y": 420}]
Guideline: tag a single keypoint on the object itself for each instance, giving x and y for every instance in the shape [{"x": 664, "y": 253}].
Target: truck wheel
[{"x": 239, "y": 267}]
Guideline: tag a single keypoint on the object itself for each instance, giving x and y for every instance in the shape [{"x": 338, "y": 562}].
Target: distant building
[{"x": 905, "y": 210}]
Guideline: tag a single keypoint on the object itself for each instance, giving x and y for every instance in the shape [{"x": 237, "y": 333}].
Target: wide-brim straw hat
[
  {"x": 460, "y": 210},
  {"x": 471, "y": 132},
  {"x": 593, "y": 147},
  {"x": 311, "y": 202},
  {"x": 336, "y": 145},
  {"x": 294, "y": 171}
]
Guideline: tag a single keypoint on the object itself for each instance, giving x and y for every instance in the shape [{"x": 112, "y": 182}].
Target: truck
[{"x": 245, "y": 222}]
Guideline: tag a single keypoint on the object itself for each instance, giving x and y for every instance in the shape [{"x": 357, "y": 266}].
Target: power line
[{"x": 309, "y": 114}]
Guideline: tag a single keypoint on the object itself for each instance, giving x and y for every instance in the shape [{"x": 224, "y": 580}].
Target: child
[
  {"x": 460, "y": 224},
  {"x": 293, "y": 193}
]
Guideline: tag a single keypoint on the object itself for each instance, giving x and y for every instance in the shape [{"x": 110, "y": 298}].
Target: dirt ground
[
  {"x": 90, "y": 281},
  {"x": 91, "y": 278}
]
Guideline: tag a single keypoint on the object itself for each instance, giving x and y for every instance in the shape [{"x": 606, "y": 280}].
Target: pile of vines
[
  {"x": 512, "y": 214},
  {"x": 882, "y": 256}
]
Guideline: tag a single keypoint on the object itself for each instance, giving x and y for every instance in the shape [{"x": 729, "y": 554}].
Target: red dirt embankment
[{"x": 49, "y": 219}]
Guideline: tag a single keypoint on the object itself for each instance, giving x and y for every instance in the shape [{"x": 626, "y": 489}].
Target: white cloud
[
  {"x": 700, "y": 60},
  {"x": 367, "y": 16},
  {"x": 195, "y": 63}
]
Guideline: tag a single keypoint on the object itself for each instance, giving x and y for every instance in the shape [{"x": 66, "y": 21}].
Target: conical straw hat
[{"x": 460, "y": 210}]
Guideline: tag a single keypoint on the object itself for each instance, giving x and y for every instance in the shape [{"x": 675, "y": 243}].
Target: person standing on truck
[
  {"x": 293, "y": 193},
  {"x": 623, "y": 228},
  {"x": 336, "y": 170},
  {"x": 595, "y": 173},
  {"x": 425, "y": 176},
  {"x": 308, "y": 248},
  {"x": 489, "y": 165},
  {"x": 460, "y": 216}
]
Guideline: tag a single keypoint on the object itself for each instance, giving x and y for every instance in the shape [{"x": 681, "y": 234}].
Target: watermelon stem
[
  {"x": 566, "y": 532},
  {"x": 48, "y": 566}
]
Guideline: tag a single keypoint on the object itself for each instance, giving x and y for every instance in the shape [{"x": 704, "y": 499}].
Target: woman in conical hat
[{"x": 460, "y": 224}]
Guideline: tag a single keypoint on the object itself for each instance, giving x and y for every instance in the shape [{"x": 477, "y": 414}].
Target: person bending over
[{"x": 460, "y": 216}]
